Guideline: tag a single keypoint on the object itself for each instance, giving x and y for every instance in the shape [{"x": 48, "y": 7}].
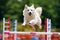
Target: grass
[
  {"x": 1, "y": 27},
  {"x": 28, "y": 28}
]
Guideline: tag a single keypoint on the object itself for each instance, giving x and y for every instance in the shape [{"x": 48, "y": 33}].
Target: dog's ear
[
  {"x": 32, "y": 6},
  {"x": 26, "y": 6}
]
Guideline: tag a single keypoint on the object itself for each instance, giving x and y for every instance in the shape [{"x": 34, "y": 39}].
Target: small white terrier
[{"x": 32, "y": 16}]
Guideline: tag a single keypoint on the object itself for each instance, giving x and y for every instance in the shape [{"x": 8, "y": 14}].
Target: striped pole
[
  {"x": 15, "y": 30},
  {"x": 47, "y": 28},
  {"x": 9, "y": 24},
  {"x": 3, "y": 27}
]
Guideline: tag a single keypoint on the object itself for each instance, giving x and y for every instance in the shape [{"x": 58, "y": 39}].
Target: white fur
[{"x": 34, "y": 18}]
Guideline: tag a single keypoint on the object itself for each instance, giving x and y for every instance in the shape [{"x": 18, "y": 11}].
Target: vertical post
[
  {"x": 3, "y": 27},
  {"x": 15, "y": 29},
  {"x": 49, "y": 29},
  {"x": 45, "y": 27},
  {"x": 9, "y": 24}
]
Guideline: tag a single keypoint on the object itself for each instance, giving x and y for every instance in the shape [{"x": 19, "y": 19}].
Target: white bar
[
  {"x": 15, "y": 29},
  {"x": 48, "y": 25},
  {"x": 3, "y": 27},
  {"x": 49, "y": 28},
  {"x": 34, "y": 32},
  {"x": 15, "y": 25},
  {"x": 28, "y": 32}
]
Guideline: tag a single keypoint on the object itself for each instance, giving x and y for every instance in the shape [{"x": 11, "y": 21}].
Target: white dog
[{"x": 32, "y": 16}]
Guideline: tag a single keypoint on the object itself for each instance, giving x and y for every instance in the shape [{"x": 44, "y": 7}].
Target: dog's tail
[{"x": 39, "y": 10}]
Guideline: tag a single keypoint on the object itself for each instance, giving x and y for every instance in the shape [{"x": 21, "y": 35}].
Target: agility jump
[{"x": 47, "y": 29}]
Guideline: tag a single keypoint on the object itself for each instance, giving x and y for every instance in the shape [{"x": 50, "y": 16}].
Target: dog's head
[{"x": 29, "y": 10}]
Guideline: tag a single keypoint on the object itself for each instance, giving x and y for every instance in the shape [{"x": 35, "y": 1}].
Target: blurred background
[{"x": 14, "y": 9}]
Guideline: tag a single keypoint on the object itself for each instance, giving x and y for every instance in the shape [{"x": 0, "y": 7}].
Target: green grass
[
  {"x": 28, "y": 28},
  {"x": 1, "y": 27}
]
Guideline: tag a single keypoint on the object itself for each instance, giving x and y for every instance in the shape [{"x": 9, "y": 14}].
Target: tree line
[{"x": 14, "y": 9}]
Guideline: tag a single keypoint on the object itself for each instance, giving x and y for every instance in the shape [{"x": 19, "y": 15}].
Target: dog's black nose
[{"x": 30, "y": 13}]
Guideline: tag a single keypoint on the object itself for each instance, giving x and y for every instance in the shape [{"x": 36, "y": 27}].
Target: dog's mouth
[{"x": 30, "y": 14}]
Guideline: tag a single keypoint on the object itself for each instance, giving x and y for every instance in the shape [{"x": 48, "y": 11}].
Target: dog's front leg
[
  {"x": 32, "y": 23},
  {"x": 39, "y": 24},
  {"x": 24, "y": 23},
  {"x": 32, "y": 26}
]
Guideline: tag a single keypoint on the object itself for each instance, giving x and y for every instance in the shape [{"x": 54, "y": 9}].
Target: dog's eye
[{"x": 27, "y": 10}]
